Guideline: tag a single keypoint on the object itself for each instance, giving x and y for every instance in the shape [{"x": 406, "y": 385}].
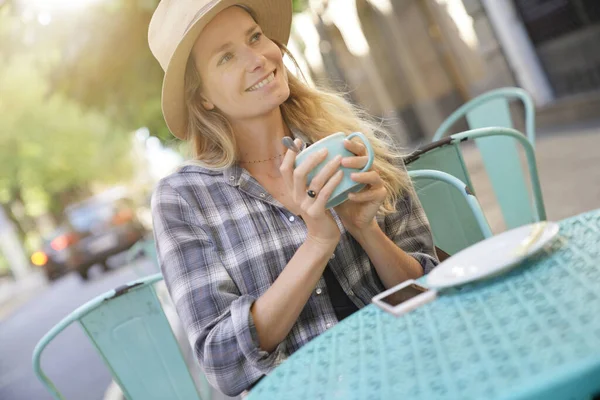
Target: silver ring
[{"x": 312, "y": 194}]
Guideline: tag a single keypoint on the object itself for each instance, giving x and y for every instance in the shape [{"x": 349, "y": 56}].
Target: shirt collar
[{"x": 232, "y": 175}]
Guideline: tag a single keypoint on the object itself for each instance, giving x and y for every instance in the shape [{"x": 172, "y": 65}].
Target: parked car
[
  {"x": 101, "y": 227},
  {"x": 53, "y": 255},
  {"x": 95, "y": 229}
]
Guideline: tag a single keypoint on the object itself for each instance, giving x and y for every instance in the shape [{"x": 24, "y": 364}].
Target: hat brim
[{"x": 275, "y": 19}]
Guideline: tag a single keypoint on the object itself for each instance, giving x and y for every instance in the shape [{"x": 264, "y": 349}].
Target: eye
[
  {"x": 255, "y": 37},
  {"x": 226, "y": 57}
]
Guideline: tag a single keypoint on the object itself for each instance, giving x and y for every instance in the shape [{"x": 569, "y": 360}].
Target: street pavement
[
  {"x": 70, "y": 361},
  {"x": 13, "y": 294},
  {"x": 568, "y": 162}
]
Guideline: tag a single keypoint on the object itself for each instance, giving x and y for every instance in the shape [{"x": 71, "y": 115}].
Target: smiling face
[{"x": 241, "y": 70}]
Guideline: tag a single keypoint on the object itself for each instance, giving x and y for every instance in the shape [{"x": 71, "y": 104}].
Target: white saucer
[{"x": 492, "y": 256}]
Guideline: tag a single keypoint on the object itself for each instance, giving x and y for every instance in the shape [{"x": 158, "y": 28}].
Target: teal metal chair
[
  {"x": 491, "y": 109},
  {"x": 454, "y": 214},
  {"x": 498, "y": 152},
  {"x": 143, "y": 247},
  {"x": 130, "y": 330},
  {"x": 519, "y": 206}
]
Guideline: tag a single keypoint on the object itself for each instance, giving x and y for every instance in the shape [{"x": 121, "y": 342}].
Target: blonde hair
[{"x": 316, "y": 113}]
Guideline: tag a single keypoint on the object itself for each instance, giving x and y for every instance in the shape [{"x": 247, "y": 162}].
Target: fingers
[
  {"x": 320, "y": 180},
  {"x": 359, "y": 150},
  {"x": 301, "y": 172},
  {"x": 325, "y": 174},
  {"x": 357, "y": 162},
  {"x": 375, "y": 187},
  {"x": 370, "y": 194},
  {"x": 371, "y": 178},
  {"x": 287, "y": 165},
  {"x": 317, "y": 206},
  {"x": 355, "y": 147}
]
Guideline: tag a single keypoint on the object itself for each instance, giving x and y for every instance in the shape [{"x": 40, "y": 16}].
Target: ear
[{"x": 207, "y": 104}]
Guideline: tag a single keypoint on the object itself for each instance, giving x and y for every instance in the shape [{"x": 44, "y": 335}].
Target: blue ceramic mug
[{"x": 335, "y": 145}]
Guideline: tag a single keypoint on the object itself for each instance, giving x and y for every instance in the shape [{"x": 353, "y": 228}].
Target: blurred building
[
  {"x": 412, "y": 62},
  {"x": 550, "y": 48}
]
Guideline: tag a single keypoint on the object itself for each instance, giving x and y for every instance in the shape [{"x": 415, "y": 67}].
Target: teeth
[{"x": 262, "y": 83}]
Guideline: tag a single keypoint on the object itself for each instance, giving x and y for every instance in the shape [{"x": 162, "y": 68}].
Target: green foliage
[
  {"x": 70, "y": 91},
  {"x": 106, "y": 63},
  {"x": 48, "y": 144},
  {"x": 299, "y": 5}
]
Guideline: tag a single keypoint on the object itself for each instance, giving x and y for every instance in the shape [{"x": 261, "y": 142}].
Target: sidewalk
[
  {"x": 14, "y": 294},
  {"x": 569, "y": 170}
]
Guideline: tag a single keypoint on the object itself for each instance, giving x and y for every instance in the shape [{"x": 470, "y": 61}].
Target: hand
[
  {"x": 358, "y": 213},
  {"x": 322, "y": 228}
]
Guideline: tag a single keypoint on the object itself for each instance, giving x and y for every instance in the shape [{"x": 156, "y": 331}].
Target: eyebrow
[{"x": 228, "y": 44}]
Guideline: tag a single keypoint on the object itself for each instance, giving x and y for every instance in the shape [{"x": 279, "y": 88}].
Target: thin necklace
[{"x": 259, "y": 161}]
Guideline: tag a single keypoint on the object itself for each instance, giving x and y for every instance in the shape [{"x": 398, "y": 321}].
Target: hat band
[{"x": 200, "y": 13}]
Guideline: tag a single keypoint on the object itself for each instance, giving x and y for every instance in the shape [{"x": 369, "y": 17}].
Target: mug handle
[{"x": 370, "y": 152}]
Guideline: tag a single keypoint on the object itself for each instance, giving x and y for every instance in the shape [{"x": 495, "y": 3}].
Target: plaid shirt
[{"x": 222, "y": 240}]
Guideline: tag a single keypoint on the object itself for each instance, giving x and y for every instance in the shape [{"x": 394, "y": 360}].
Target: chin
[
  {"x": 268, "y": 109},
  {"x": 275, "y": 100},
  {"x": 267, "y": 104}
]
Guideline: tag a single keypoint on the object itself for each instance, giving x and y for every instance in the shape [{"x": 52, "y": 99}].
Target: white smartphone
[{"x": 404, "y": 297}]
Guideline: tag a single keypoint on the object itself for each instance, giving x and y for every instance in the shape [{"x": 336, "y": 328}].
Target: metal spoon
[{"x": 289, "y": 143}]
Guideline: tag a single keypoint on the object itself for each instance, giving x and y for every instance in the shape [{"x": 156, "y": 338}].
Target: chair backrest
[
  {"x": 491, "y": 109},
  {"x": 440, "y": 156},
  {"x": 129, "y": 329},
  {"x": 518, "y": 206},
  {"x": 143, "y": 247},
  {"x": 453, "y": 212}
]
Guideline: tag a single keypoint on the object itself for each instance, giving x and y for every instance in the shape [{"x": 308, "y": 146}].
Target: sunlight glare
[
  {"x": 464, "y": 23},
  {"x": 345, "y": 16},
  {"x": 44, "y": 18},
  {"x": 384, "y": 6},
  {"x": 58, "y": 5}
]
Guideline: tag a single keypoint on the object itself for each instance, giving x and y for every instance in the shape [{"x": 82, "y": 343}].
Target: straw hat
[{"x": 174, "y": 28}]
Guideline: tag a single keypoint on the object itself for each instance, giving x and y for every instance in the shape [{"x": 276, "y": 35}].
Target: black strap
[{"x": 342, "y": 305}]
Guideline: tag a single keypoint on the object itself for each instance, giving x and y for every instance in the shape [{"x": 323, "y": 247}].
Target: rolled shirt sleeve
[
  {"x": 409, "y": 228},
  {"x": 216, "y": 317}
]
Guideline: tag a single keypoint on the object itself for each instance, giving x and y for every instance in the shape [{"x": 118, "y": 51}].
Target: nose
[{"x": 254, "y": 60}]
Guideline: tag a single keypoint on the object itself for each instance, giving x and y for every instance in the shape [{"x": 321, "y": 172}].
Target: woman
[{"x": 255, "y": 264}]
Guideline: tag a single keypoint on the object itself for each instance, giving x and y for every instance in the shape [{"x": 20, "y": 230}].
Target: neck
[{"x": 260, "y": 139}]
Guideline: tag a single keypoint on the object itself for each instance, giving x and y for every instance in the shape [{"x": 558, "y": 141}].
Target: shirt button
[
  {"x": 351, "y": 293},
  {"x": 292, "y": 218},
  {"x": 231, "y": 178},
  {"x": 333, "y": 256},
  {"x": 262, "y": 195},
  {"x": 328, "y": 325},
  {"x": 319, "y": 291}
]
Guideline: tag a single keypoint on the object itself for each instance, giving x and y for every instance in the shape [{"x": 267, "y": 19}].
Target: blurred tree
[
  {"x": 106, "y": 64},
  {"x": 299, "y": 5},
  {"x": 49, "y": 146},
  {"x": 57, "y": 130}
]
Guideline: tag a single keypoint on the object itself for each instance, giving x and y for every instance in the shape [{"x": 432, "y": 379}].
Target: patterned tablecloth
[{"x": 531, "y": 333}]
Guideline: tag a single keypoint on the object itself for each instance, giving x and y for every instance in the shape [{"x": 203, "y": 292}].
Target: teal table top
[{"x": 533, "y": 333}]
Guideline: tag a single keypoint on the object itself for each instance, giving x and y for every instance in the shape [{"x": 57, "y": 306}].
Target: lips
[{"x": 265, "y": 81}]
